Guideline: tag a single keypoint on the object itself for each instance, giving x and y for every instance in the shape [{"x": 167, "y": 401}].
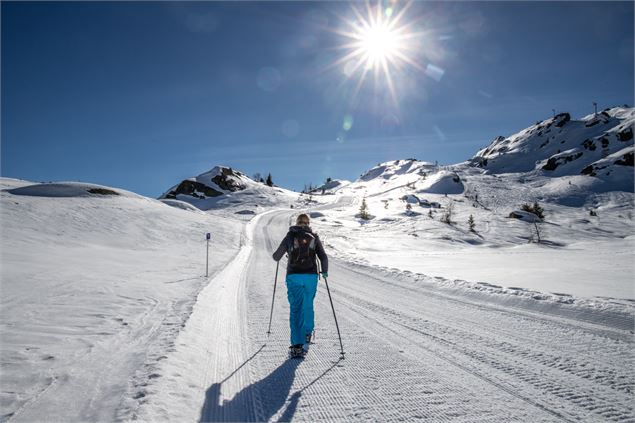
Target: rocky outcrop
[
  {"x": 194, "y": 189},
  {"x": 555, "y": 161},
  {"x": 625, "y": 160},
  {"x": 227, "y": 179},
  {"x": 625, "y": 134}
]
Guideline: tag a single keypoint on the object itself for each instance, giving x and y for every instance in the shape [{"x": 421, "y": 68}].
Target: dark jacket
[{"x": 287, "y": 244}]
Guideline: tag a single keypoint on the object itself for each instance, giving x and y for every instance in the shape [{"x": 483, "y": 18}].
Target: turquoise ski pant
[{"x": 301, "y": 290}]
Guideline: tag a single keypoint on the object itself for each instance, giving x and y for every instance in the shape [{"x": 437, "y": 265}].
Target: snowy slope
[
  {"x": 225, "y": 188},
  {"x": 413, "y": 351},
  {"x": 95, "y": 286},
  {"x": 597, "y": 145},
  {"x": 419, "y": 213}
]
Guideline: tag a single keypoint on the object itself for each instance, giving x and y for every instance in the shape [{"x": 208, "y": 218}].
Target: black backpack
[{"x": 302, "y": 254}]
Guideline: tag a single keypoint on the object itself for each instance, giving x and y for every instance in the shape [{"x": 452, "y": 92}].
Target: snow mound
[
  {"x": 214, "y": 183},
  {"x": 411, "y": 199},
  {"x": 69, "y": 189},
  {"x": 10, "y": 183},
  {"x": 525, "y": 216},
  {"x": 443, "y": 182},
  {"x": 180, "y": 205}
]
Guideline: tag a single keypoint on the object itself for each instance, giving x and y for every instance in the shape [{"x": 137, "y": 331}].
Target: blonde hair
[{"x": 302, "y": 216}]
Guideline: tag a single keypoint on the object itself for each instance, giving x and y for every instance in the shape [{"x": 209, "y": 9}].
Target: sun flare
[{"x": 380, "y": 43}]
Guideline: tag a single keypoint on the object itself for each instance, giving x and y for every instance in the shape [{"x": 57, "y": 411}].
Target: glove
[{"x": 325, "y": 275}]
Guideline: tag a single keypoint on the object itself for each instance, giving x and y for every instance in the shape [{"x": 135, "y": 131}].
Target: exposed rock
[
  {"x": 524, "y": 216},
  {"x": 561, "y": 119},
  {"x": 625, "y": 134},
  {"x": 103, "y": 191},
  {"x": 625, "y": 160},
  {"x": 228, "y": 184},
  {"x": 193, "y": 188},
  {"x": 589, "y": 144},
  {"x": 554, "y": 162},
  {"x": 604, "y": 141}
]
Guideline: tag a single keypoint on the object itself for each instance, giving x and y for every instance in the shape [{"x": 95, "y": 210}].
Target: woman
[{"x": 302, "y": 246}]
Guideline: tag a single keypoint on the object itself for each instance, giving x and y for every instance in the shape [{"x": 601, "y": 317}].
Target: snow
[
  {"x": 580, "y": 255},
  {"x": 180, "y": 205},
  {"x": 93, "y": 289},
  {"x": 106, "y": 314},
  {"x": 442, "y": 182},
  {"x": 570, "y": 145}
]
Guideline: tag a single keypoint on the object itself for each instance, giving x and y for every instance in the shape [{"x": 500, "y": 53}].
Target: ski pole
[
  {"x": 334, "y": 316},
  {"x": 275, "y": 282}
]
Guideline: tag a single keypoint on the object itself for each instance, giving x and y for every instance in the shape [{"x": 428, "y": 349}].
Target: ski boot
[{"x": 296, "y": 351}]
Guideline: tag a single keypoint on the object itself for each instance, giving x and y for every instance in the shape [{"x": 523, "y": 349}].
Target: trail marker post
[{"x": 208, "y": 236}]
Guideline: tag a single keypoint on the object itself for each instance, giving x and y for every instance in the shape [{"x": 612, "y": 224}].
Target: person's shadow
[{"x": 271, "y": 393}]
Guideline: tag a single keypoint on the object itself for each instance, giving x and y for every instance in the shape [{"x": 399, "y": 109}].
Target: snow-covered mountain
[
  {"x": 579, "y": 172},
  {"x": 598, "y": 145},
  {"x": 223, "y": 187}
]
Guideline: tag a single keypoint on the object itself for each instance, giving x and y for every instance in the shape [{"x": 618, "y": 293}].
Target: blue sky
[{"x": 142, "y": 95}]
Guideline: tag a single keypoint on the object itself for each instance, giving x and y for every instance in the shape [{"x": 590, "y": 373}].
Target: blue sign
[{"x": 209, "y": 236}]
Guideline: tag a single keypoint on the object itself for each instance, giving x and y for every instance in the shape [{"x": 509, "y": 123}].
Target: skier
[{"x": 302, "y": 245}]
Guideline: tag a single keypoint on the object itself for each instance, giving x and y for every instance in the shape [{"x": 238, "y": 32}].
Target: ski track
[{"x": 413, "y": 352}]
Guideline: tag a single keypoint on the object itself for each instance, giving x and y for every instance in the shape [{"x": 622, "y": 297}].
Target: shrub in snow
[
  {"x": 535, "y": 209},
  {"x": 447, "y": 214}
]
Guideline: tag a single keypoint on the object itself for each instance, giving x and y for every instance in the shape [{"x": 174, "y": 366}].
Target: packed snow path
[{"x": 413, "y": 352}]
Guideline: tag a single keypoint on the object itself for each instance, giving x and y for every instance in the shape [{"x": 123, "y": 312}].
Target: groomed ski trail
[{"x": 413, "y": 352}]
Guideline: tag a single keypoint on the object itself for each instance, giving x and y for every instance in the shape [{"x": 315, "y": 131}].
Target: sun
[{"x": 380, "y": 43}]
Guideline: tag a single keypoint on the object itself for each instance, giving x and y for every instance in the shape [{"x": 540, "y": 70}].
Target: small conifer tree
[
  {"x": 363, "y": 210},
  {"x": 471, "y": 223}
]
